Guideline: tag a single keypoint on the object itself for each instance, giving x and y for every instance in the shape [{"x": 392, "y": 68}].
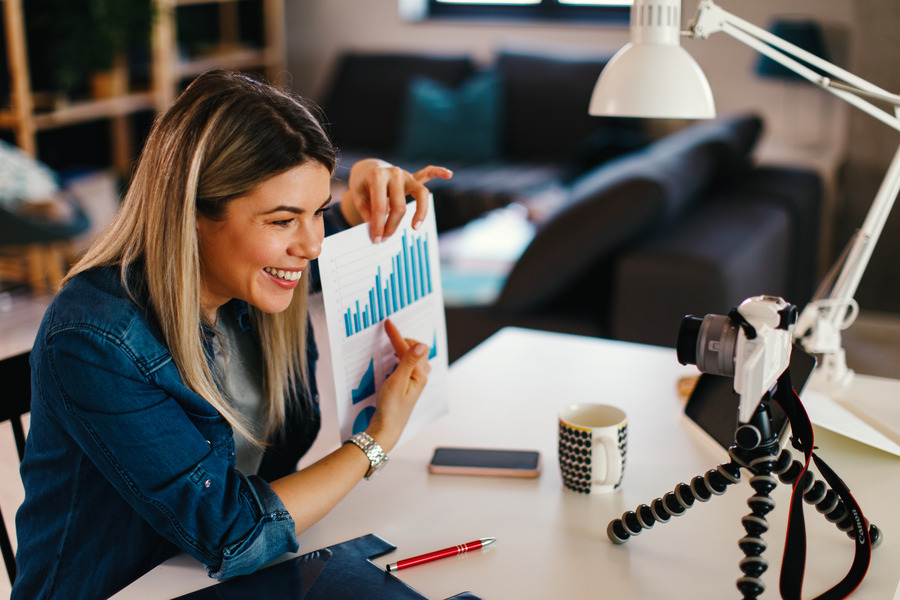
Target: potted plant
[{"x": 81, "y": 38}]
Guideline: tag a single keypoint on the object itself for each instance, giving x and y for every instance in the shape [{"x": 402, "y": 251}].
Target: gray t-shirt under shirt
[{"x": 239, "y": 368}]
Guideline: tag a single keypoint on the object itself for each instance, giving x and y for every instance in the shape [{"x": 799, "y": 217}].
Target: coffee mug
[{"x": 592, "y": 443}]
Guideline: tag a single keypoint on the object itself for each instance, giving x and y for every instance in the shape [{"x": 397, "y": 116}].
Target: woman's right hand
[{"x": 398, "y": 396}]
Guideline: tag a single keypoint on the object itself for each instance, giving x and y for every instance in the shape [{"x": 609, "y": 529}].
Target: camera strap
[{"x": 793, "y": 563}]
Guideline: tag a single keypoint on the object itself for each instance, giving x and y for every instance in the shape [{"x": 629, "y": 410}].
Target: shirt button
[{"x": 207, "y": 483}]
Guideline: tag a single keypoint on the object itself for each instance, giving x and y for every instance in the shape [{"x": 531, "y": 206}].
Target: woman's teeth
[{"x": 286, "y": 275}]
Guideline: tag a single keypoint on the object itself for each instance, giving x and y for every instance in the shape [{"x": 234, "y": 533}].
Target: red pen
[{"x": 452, "y": 551}]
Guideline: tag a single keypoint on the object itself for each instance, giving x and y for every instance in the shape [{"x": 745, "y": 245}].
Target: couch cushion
[
  {"x": 603, "y": 212},
  {"x": 797, "y": 193},
  {"x": 728, "y": 139},
  {"x": 617, "y": 203},
  {"x": 459, "y": 125},
  {"x": 713, "y": 261},
  {"x": 477, "y": 189},
  {"x": 547, "y": 96},
  {"x": 474, "y": 189},
  {"x": 364, "y": 103},
  {"x": 694, "y": 160}
]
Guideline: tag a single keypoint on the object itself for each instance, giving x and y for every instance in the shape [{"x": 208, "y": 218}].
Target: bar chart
[
  {"x": 363, "y": 284},
  {"x": 406, "y": 280}
]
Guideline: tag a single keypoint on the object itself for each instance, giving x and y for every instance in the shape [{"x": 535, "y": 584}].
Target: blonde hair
[{"x": 223, "y": 136}]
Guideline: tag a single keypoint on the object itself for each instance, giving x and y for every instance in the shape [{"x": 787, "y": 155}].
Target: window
[{"x": 610, "y": 11}]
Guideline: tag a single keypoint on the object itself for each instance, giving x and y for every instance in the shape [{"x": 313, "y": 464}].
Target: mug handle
[{"x": 613, "y": 461}]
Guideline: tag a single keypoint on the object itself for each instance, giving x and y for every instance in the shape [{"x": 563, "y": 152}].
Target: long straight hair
[{"x": 224, "y": 135}]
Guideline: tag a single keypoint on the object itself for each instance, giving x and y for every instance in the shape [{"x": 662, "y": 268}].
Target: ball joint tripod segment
[
  {"x": 752, "y": 344},
  {"x": 756, "y": 449}
]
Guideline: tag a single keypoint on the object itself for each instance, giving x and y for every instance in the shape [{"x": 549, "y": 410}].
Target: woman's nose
[{"x": 308, "y": 243}]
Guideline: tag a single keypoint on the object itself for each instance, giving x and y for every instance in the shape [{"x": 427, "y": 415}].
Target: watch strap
[{"x": 372, "y": 449}]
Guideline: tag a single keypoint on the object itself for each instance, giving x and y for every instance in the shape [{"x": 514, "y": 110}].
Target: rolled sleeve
[{"x": 273, "y": 535}]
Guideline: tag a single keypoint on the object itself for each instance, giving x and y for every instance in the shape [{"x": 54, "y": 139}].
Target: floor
[{"x": 872, "y": 345}]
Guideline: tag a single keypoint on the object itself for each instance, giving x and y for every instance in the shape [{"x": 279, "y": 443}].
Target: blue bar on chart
[{"x": 409, "y": 280}]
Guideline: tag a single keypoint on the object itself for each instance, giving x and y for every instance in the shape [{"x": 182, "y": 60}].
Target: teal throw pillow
[{"x": 452, "y": 125}]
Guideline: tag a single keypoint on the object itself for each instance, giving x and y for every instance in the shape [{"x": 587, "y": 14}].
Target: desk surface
[{"x": 552, "y": 542}]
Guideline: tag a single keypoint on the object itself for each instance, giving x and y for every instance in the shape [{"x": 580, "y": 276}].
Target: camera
[{"x": 752, "y": 344}]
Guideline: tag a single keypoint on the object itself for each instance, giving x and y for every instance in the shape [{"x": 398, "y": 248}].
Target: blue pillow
[{"x": 441, "y": 124}]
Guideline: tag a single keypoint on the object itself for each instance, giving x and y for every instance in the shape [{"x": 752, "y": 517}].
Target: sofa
[
  {"x": 595, "y": 226},
  {"x": 507, "y": 130}
]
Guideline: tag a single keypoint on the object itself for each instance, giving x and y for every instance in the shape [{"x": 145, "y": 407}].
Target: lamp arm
[
  {"x": 863, "y": 244},
  {"x": 711, "y": 19},
  {"x": 823, "y": 319},
  {"x": 884, "y": 97}
]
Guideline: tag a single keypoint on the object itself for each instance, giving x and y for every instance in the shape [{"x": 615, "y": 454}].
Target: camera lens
[
  {"x": 709, "y": 343},
  {"x": 686, "y": 347}
]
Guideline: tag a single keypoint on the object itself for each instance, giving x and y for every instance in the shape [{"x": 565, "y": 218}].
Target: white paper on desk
[
  {"x": 362, "y": 284},
  {"x": 826, "y": 412}
]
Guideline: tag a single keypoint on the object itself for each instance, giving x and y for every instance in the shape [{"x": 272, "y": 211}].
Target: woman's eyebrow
[
  {"x": 284, "y": 208},
  {"x": 294, "y": 209}
]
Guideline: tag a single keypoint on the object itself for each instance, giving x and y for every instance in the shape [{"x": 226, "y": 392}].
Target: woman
[{"x": 172, "y": 396}]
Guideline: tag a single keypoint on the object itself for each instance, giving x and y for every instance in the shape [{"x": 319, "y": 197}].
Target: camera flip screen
[{"x": 713, "y": 404}]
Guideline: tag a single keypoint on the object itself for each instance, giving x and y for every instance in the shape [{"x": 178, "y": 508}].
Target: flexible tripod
[{"x": 756, "y": 448}]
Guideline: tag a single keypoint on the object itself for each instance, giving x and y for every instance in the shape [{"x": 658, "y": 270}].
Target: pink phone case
[{"x": 474, "y": 461}]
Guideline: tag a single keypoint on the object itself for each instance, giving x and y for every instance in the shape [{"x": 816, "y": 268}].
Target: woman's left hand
[{"x": 377, "y": 192}]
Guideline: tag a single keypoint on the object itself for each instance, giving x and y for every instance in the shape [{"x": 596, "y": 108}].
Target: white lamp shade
[{"x": 653, "y": 81}]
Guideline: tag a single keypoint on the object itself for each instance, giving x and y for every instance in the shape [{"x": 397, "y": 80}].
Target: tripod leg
[
  {"x": 753, "y": 565},
  {"x": 818, "y": 494},
  {"x": 675, "y": 503}
]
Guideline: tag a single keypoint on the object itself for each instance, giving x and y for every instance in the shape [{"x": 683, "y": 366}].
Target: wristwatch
[{"x": 372, "y": 449}]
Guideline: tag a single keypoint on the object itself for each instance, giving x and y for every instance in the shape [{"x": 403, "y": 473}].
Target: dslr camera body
[{"x": 752, "y": 344}]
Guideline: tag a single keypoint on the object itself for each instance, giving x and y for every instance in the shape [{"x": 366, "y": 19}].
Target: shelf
[
  {"x": 92, "y": 110},
  {"x": 167, "y": 73},
  {"x": 235, "y": 61},
  {"x": 189, "y": 2}
]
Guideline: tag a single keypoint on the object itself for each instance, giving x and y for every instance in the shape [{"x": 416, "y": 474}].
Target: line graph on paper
[{"x": 363, "y": 284}]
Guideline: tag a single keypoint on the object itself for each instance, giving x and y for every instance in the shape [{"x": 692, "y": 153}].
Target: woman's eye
[
  {"x": 283, "y": 222},
  {"x": 323, "y": 210}
]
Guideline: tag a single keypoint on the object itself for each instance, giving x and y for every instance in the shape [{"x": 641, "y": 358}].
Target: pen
[{"x": 452, "y": 551}]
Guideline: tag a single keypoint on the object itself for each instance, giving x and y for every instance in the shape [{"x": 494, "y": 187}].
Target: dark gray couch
[
  {"x": 639, "y": 233},
  {"x": 543, "y": 133}
]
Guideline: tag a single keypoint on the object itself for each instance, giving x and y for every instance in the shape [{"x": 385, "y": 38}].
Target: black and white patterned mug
[{"x": 592, "y": 443}]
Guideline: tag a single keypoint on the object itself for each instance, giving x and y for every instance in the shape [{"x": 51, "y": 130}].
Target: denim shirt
[{"x": 125, "y": 466}]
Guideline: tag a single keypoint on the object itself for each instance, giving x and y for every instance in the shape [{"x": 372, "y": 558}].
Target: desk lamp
[
  {"x": 800, "y": 117},
  {"x": 803, "y": 33},
  {"x": 654, "y": 77}
]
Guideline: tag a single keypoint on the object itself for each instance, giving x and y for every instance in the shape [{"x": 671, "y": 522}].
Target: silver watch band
[{"x": 372, "y": 450}]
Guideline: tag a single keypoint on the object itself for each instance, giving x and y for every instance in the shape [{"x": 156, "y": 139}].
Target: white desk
[{"x": 551, "y": 542}]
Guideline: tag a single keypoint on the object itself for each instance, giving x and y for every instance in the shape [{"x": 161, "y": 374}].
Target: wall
[
  {"x": 859, "y": 34},
  {"x": 872, "y": 146}
]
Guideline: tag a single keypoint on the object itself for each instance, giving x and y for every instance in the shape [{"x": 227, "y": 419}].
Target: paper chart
[{"x": 362, "y": 285}]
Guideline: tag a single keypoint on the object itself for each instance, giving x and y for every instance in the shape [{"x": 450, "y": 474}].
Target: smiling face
[{"x": 258, "y": 249}]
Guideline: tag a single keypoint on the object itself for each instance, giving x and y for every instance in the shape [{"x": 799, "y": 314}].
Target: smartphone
[
  {"x": 484, "y": 461},
  {"x": 713, "y": 404}
]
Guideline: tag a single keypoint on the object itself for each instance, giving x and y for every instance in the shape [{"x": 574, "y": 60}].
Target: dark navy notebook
[{"x": 334, "y": 573}]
